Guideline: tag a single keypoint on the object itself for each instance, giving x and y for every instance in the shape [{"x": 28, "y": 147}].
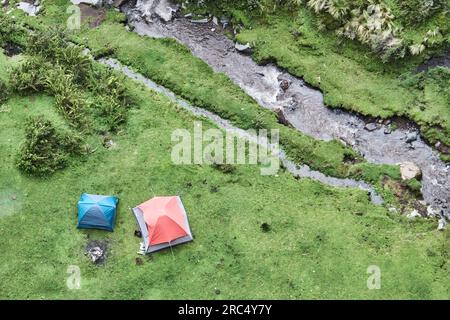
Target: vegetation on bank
[
  {"x": 349, "y": 74},
  {"x": 392, "y": 29},
  {"x": 89, "y": 96},
  {"x": 204, "y": 88},
  {"x": 195, "y": 81}
]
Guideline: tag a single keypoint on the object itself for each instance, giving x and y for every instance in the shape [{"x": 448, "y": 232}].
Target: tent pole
[{"x": 171, "y": 249}]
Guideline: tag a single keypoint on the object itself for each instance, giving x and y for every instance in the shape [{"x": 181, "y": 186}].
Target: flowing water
[
  {"x": 298, "y": 171},
  {"x": 303, "y": 106}
]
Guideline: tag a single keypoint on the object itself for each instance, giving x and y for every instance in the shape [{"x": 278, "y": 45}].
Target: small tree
[{"x": 45, "y": 150}]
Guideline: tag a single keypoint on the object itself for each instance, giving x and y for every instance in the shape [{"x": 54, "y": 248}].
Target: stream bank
[
  {"x": 301, "y": 106},
  {"x": 298, "y": 171}
]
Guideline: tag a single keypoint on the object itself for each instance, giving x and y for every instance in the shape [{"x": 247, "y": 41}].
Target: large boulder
[
  {"x": 409, "y": 171},
  {"x": 151, "y": 9},
  {"x": 244, "y": 48},
  {"x": 281, "y": 117},
  {"x": 31, "y": 8},
  {"x": 95, "y": 3}
]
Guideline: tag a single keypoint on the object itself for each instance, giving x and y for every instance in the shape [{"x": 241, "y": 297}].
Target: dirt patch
[
  {"x": 91, "y": 15},
  {"x": 11, "y": 49},
  {"x": 97, "y": 251},
  {"x": 438, "y": 61}
]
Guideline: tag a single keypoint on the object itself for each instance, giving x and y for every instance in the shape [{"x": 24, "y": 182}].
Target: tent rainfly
[
  {"x": 163, "y": 223},
  {"x": 97, "y": 212}
]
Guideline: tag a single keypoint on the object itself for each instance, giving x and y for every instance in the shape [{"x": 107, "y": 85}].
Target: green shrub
[
  {"x": 70, "y": 76},
  {"x": 104, "y": 81},
  {"x": 414, "y": 185},
  {"x": 68, "y": 98},
  {"x": 45, "y": 149},
  {"x": 112, "y": 97},
  {"x": 11, "y": 31},
  {"x": 416, "y": 11},
  {"x": 52, "y": 44},
  {"x": 29, "y": 75},
  {"x": 109, "y": 113}
]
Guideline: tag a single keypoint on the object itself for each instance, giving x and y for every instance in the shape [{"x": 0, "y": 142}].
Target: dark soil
[
  {"x": 92, "y": 15},
  {"x": 11, "y": 49},
  {"x": 438, "y": 61},
  {"x": 92, "y": 247}
]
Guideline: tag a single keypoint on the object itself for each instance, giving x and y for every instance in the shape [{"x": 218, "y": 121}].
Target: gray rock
[
  {"x": 225, "y": 22},
  {"x": 442, "y": 224},
  {"x": 95, "y": 3},
  {"x": 371, "y": 126},
  {"x": 243, "y": 47},
  {"x": 409, "y": 171},
  {"x": 203, "y": 20},
  {"x": 413, "y": 214},
  {"x": 151, "y": 9},
  {"x": 284, "y": 84},
  {"x": 28, "y": 8},
  {"x": 119, "y": 3},
  {"x": 411, "y": 137},
  {"x": 110, "y": 144},
  {"x": 431, "y": 212},
  {"x": 95, "y": 253},
  {"x": 281, "y": 117}
]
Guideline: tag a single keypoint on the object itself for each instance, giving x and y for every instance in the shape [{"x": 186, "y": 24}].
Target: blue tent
[{"x": 97, "y": 212}]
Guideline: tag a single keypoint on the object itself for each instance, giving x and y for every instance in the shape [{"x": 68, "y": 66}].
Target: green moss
[{"x": 414, "y": 185}]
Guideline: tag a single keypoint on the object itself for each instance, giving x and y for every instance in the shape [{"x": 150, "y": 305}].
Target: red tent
[{"x": 163, "y": 223}]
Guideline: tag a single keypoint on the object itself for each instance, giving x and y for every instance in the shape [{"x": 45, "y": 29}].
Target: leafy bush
[
  {"x": 62, "y": 70},
  {"x": 416, "y": 11},
  {"x": 69, "y": 99},
  {"x": 45, "y": 149},
  {"x": 34, "y": 74},
  {"x": 112, "y": 98},
  {"x": 110, "y": 114},
  {"x": 11, "y": 31},
  {"x": 29, "y": 75},
  {"x": 53, "y": 45}
]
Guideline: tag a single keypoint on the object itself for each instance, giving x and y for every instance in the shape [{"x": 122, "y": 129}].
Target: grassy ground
[{"x": 320, "y": 243}]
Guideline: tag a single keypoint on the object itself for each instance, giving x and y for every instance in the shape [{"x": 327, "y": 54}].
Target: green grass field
[
  {"x": 320, "y": 244},
  {"x": 321, "y": 239}
]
